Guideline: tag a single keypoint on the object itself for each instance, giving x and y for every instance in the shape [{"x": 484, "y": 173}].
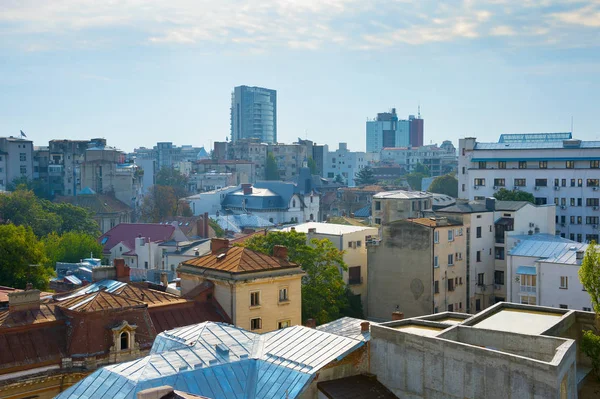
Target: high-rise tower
[{"x": 254, "y": 114}]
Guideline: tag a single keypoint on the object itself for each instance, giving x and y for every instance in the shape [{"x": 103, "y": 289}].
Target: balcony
[
  {"x": 527, "y": 289},
  {"x": 355, "y": 281},
  {"x": 499, "y": 239}
]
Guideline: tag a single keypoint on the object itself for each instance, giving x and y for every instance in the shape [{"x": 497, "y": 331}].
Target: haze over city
[{"x": 139, "y": 72}]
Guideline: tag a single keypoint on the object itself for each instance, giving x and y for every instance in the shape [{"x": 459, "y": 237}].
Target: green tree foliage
[
  {"x": 415, "y": 180},
  {"x": 271, "y": 169},
  {"x": 365, "y": 177},
  {"x": 420, "y": 168},
  {"x": 508, "y": 195},
  {"x": 171, "y": 177},
  {"x": 589, "y": 275},
  {"x": 219, "y": 232},
  {"x": 160, "y": 203},
  {"x": 37, "y": 186},
  {"x": 75, "y": 218},
  {"x": 22, "y": 258},
  {"x": 446, "y": 184},
  {"x": 312, "y": 164},
  {"x": 70, "y": 247},
  {"x": 590, "y": 345},
  {"x": 324, "y": 295},
  {"x": 339, "y": 179}
]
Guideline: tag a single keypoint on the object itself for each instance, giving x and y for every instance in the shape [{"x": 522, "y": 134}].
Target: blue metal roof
[
  {"x": 363, "y": 212},
  {"x": 260, "y": 198},
  {"x": 218, "y": 360},
  {"x": 237, "y": 223},
  {"x": 347, "y": 327},
  {"x": 533, "y": 145},
  {"x": 529, "y": 270},
  {"x": 534, "y": 137},
  {"x": 549, "y": 248}
]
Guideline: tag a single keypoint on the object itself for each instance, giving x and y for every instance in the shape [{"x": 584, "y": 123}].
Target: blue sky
[{"x": 141, "y": 71}]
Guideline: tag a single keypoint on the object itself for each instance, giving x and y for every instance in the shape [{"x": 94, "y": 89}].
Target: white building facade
[
  {"x": 553, "y": 167},
  {"x": 16, "y": 160},
  {"x": 345, "y": 163}
]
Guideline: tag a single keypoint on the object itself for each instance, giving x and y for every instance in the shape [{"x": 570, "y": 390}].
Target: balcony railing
[
  {"x": 499, "y": 239},
  {"x": 355, "y": 281},
  {"x": 527, "y": 289}
]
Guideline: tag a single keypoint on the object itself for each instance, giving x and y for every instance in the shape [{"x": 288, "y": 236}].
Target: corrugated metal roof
[
  {"x": 73, "y": 280},
  {"x": 347, "y": 327},
  {"x": 534, "y": 145},
  {"x": 222, "y": 361},
  {"x": 328, "y": 228},
  {"x": 549, "y": 248},
  {"x": 403, "y": 194}
]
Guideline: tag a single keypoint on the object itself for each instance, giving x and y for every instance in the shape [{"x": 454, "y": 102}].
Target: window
[
  {"x": 570, "y": 164},
  {"x": 563, "y": 306},
  {"x": 23, "y": 169},
  {"x": 479, "y": 232},
  {"x": 520, "y": 182},
  {"x": 124, "y": 340},
  {"x": 436, "y": 287},
  {"x": 358, "y": 244},
  {"x": 564, "y": 282},
  {"x": 587, "y": 309},
  {"x": 283, "y": 324},
  {"x": 595, "y": 164},
  {"x": 480, "y": 281},
  {"x": 451, "y": 308},
  {"x": 501, "y": 164},
  {"x": 499, "y": 253},
  {"x": 499, "y": 277},
  {"x": 563, "y": 182},
  {"x": 463, "y": 170},
  {"x": 579, "y": 201},
  {"x": 377, "y": 221},
  {"x": 499, "y": 182},
  {"x": 572, "y": 202},
  {"x": 592, "y": 201},
  {"x": 463, "y": 187},
  {"x": 377, "y": 205},
  {"x": 591, "y": 237},
  {"x": 436, "y": 236},
  {"x": 543, "y": 164},
  {"x": 556, "y": 182},
  {"x": 579, "y": 182},
  {"x": 354, "y": 275},
  {"x": 450, "y": 259},
  {"x": 522, "y": 164},
  {"x": 477, "y": 305},
  {"x": 541, "y": 182},
  {"x": 529, "y": 300},
  {"x": 256, "y": 324},
  {"x": 450, "y": 235},
  {"x": 592, "y": 182},
  {"x": 435, "y": 262},
  {"x": 283, "y": 294},
  {"x": 541, "y": 200},
  {"x": 579, "y": 237},
  {"x": 479, "y": 182},
  {"x": 23, "y": 157},
  {"x": 146, "y": 264},
  {"x": 293, "y": 203},
  {"x": 255, "y": 298},
  {"x": 563, "y": 202},
  {"x": 478, "y": 256},
  {"x": 482, "y": 165},
  {"x": 450, "y": 284}
]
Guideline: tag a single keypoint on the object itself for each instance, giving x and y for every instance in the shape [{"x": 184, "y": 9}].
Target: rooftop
[
  {"x": 530, "y": 145},
  {"x": 534, "y": 137},
  {"x": 550, "y": 248},
  {"x": 466, "y": 207},
  {"x": 328, "y": 228},
  {"x": 355, "y": 387},
  {"x": 435, "y": 222},
  {"x": 97, "y": 203},
  {"x": 128, "y": 232},
  {"x": 403, "y": 194},
  {"x": 512, "y": 205}
]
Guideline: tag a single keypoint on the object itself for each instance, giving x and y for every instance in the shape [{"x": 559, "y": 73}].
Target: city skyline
[{"x": 137, "y": 75}]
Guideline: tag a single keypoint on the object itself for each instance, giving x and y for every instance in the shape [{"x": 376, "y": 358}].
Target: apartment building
[
  {"x": 289, "y": 158},
  {"x": 543, "y": 270},
  {"x": 417, "y": 268},
  {"x": 353, "y": 241},
  {"x": 386, "y": 130},
  {"x": 555, "y": 168},
  {"x": 401, "y": 204},
  {"x": 345, "y": 163},
  {"x": 259, "y": 293},
  {"x": 439, "y": 160},
  {"x": 16, "y": 160}
]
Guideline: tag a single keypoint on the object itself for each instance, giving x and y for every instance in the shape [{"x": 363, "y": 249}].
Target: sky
[{"x": 141, "y": 71}]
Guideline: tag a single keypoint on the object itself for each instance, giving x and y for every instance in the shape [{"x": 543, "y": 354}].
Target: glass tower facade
[{"x": 254, "y": 114}]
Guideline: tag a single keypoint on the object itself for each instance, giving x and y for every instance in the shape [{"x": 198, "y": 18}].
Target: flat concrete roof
[
  {"x": 420, "y": 330},
  {"x": 450, "y": 320},
  {"x": 328, "y": 228},
  {"x": 522, "y": 321}
]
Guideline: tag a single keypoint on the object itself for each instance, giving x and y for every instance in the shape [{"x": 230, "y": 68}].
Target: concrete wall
[
  {"x": 550, "y": 293},
  {"x": 400, "y": 272},
  {"x": 413, "y": 366}
]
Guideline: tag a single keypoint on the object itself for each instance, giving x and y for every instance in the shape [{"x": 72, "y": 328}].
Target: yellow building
[{"x": 258, "y": 292}]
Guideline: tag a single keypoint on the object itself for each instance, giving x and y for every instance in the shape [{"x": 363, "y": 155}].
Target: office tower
[
  {"x": 416, "y": 130},
  {"x": 254, "y": 114},
  {"x": 387, "y": 131}
]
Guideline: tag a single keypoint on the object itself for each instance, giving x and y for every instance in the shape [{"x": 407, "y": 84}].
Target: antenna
[
  {"x": 571, "y": 125},
  {"x": 419, "y": 113}
]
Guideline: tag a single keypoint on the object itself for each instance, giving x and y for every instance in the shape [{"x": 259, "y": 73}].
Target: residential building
[
  {"x": 318, "y": 152},
  {"x": 259, "y": 292},
  {"x": 394, "y": 205},
  {"x": 345, "y": 163},
  {"x": 216, "y": 360},
  {"x": 543, "y": 270},
  {"x": 148, "y": 169},
  {"x": 353, "y": 241},
  {"x": 250, "y": 149},
  {"x": 555, "y": 168},
  {"x": 65, "y": 159},
  {"x": 506, "y": 351},
  {"x": 49, "y": 342},
  {"x": 211, "y": 174},
  {"x": 417, "y": 268},
  {"x": 208, "y": 202},
  {"x": 439, "y": 160},
  {"x": 254, "y": 114},
  {"x": 353, "y": 199},
  {"x": 290, "y": 158},
  {"x": 386, "y": 130},
  {"x": 107, "y": 211},
  {"x": 16, "y": 160}
]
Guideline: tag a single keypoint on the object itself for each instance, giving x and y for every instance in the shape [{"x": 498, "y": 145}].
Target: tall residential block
[
  {"x": 387, "y": 131},
  {"x": 254, "y": 114},
  {"x": 16, "y": 160}
]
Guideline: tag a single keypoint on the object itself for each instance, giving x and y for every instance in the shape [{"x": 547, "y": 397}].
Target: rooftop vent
[{"x": 572, "y": 143}]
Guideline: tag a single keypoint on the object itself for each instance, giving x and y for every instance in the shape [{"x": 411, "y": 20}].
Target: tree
[
  {"x": 37, "y": 186},
  {"x": 415, "y": 180},
  {"x": 70, "y": 247},
  {"x": 312, "y": 164},
  {"x": 508, "y": 195},
  {"x": 159, "y": 204},
  {"x": 446, "y": 184},
  {"x": 22, "y": 258},
  {"x": 589, "y": 275},
  {"x": 420, "y": 168},
  {"x": 365, "y": 176},
  {"x": 339, "y": 179},
  {"x": 271, "y": 169},
  {"x": 171, "y": 177},
  {"x": 219, "y": 232},
  {"x": 324, "y": 296},
  {"x": 74, "y": 218}
]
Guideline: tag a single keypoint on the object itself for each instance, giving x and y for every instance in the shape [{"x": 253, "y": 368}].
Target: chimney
[
  {"x": 280, "y": 252},
  {"x": 293, "y": 229},
  {"x": 311, "y": 323},
  {"x": 364, "y": 326},
  {"x": 205, "y": 220},
  {"x": 164, "y": 280},
  {"x": 200, "y": 227},
  {"x": 397, "y": 316},
  {"x": 156, "y": 393},
  {"x": 312, "y": 230},
  {"x": 217, "y": 244},
  {"x": 247, "y": 188},
  {"x": 24, "y": 300},
  {"x": 490, "y": 204},
  {"x": 122, "y": 270},
  {"x": 579, "y": 256}
]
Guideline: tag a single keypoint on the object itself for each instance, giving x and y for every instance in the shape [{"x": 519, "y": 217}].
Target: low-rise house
[
  {"x": 259, "y": 292},
  {"x": 353, "y": 241},
  {"x": 49, "y": 343},
  {"x": 418, "y": 267},
  {"x": 543, "y": 269}
]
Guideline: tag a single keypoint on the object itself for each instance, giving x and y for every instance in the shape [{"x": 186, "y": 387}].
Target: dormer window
[
  {"x": 124, "y": 340},
  {"x": 293, "y": 203}
]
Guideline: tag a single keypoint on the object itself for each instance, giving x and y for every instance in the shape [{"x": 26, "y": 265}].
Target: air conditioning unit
[
  {"x": 595, "y": 208},
  {"x": 557, "y": 188},
  {"x": 595, "y": 188},
  {"x": 594, "y": 226},
  {"x": 536, "y": 188},
  {"x": 475, "y": 187},
  {"x": 563, "y": 207},
  {"x": 562, "y": 225},
  {"x": 531, "y": 224},
  {"x": 497, "y": 287},
  {"x": 495, "y": 187}
]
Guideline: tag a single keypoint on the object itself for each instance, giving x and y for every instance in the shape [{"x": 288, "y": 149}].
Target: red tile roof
[
  {"x": 240, "y": 260},
  {"x": 46, "y": 313},
  {"x": 150, "y": 297},
  {"x": 4, "y": 291},
  {"x": 99, "y": 301},
  {"x": 127, "y": 233},
  {"x": 169, "y": 317}
]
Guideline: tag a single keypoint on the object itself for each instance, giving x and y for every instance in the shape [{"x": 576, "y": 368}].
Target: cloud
[{"x": 307, "y": 25}]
